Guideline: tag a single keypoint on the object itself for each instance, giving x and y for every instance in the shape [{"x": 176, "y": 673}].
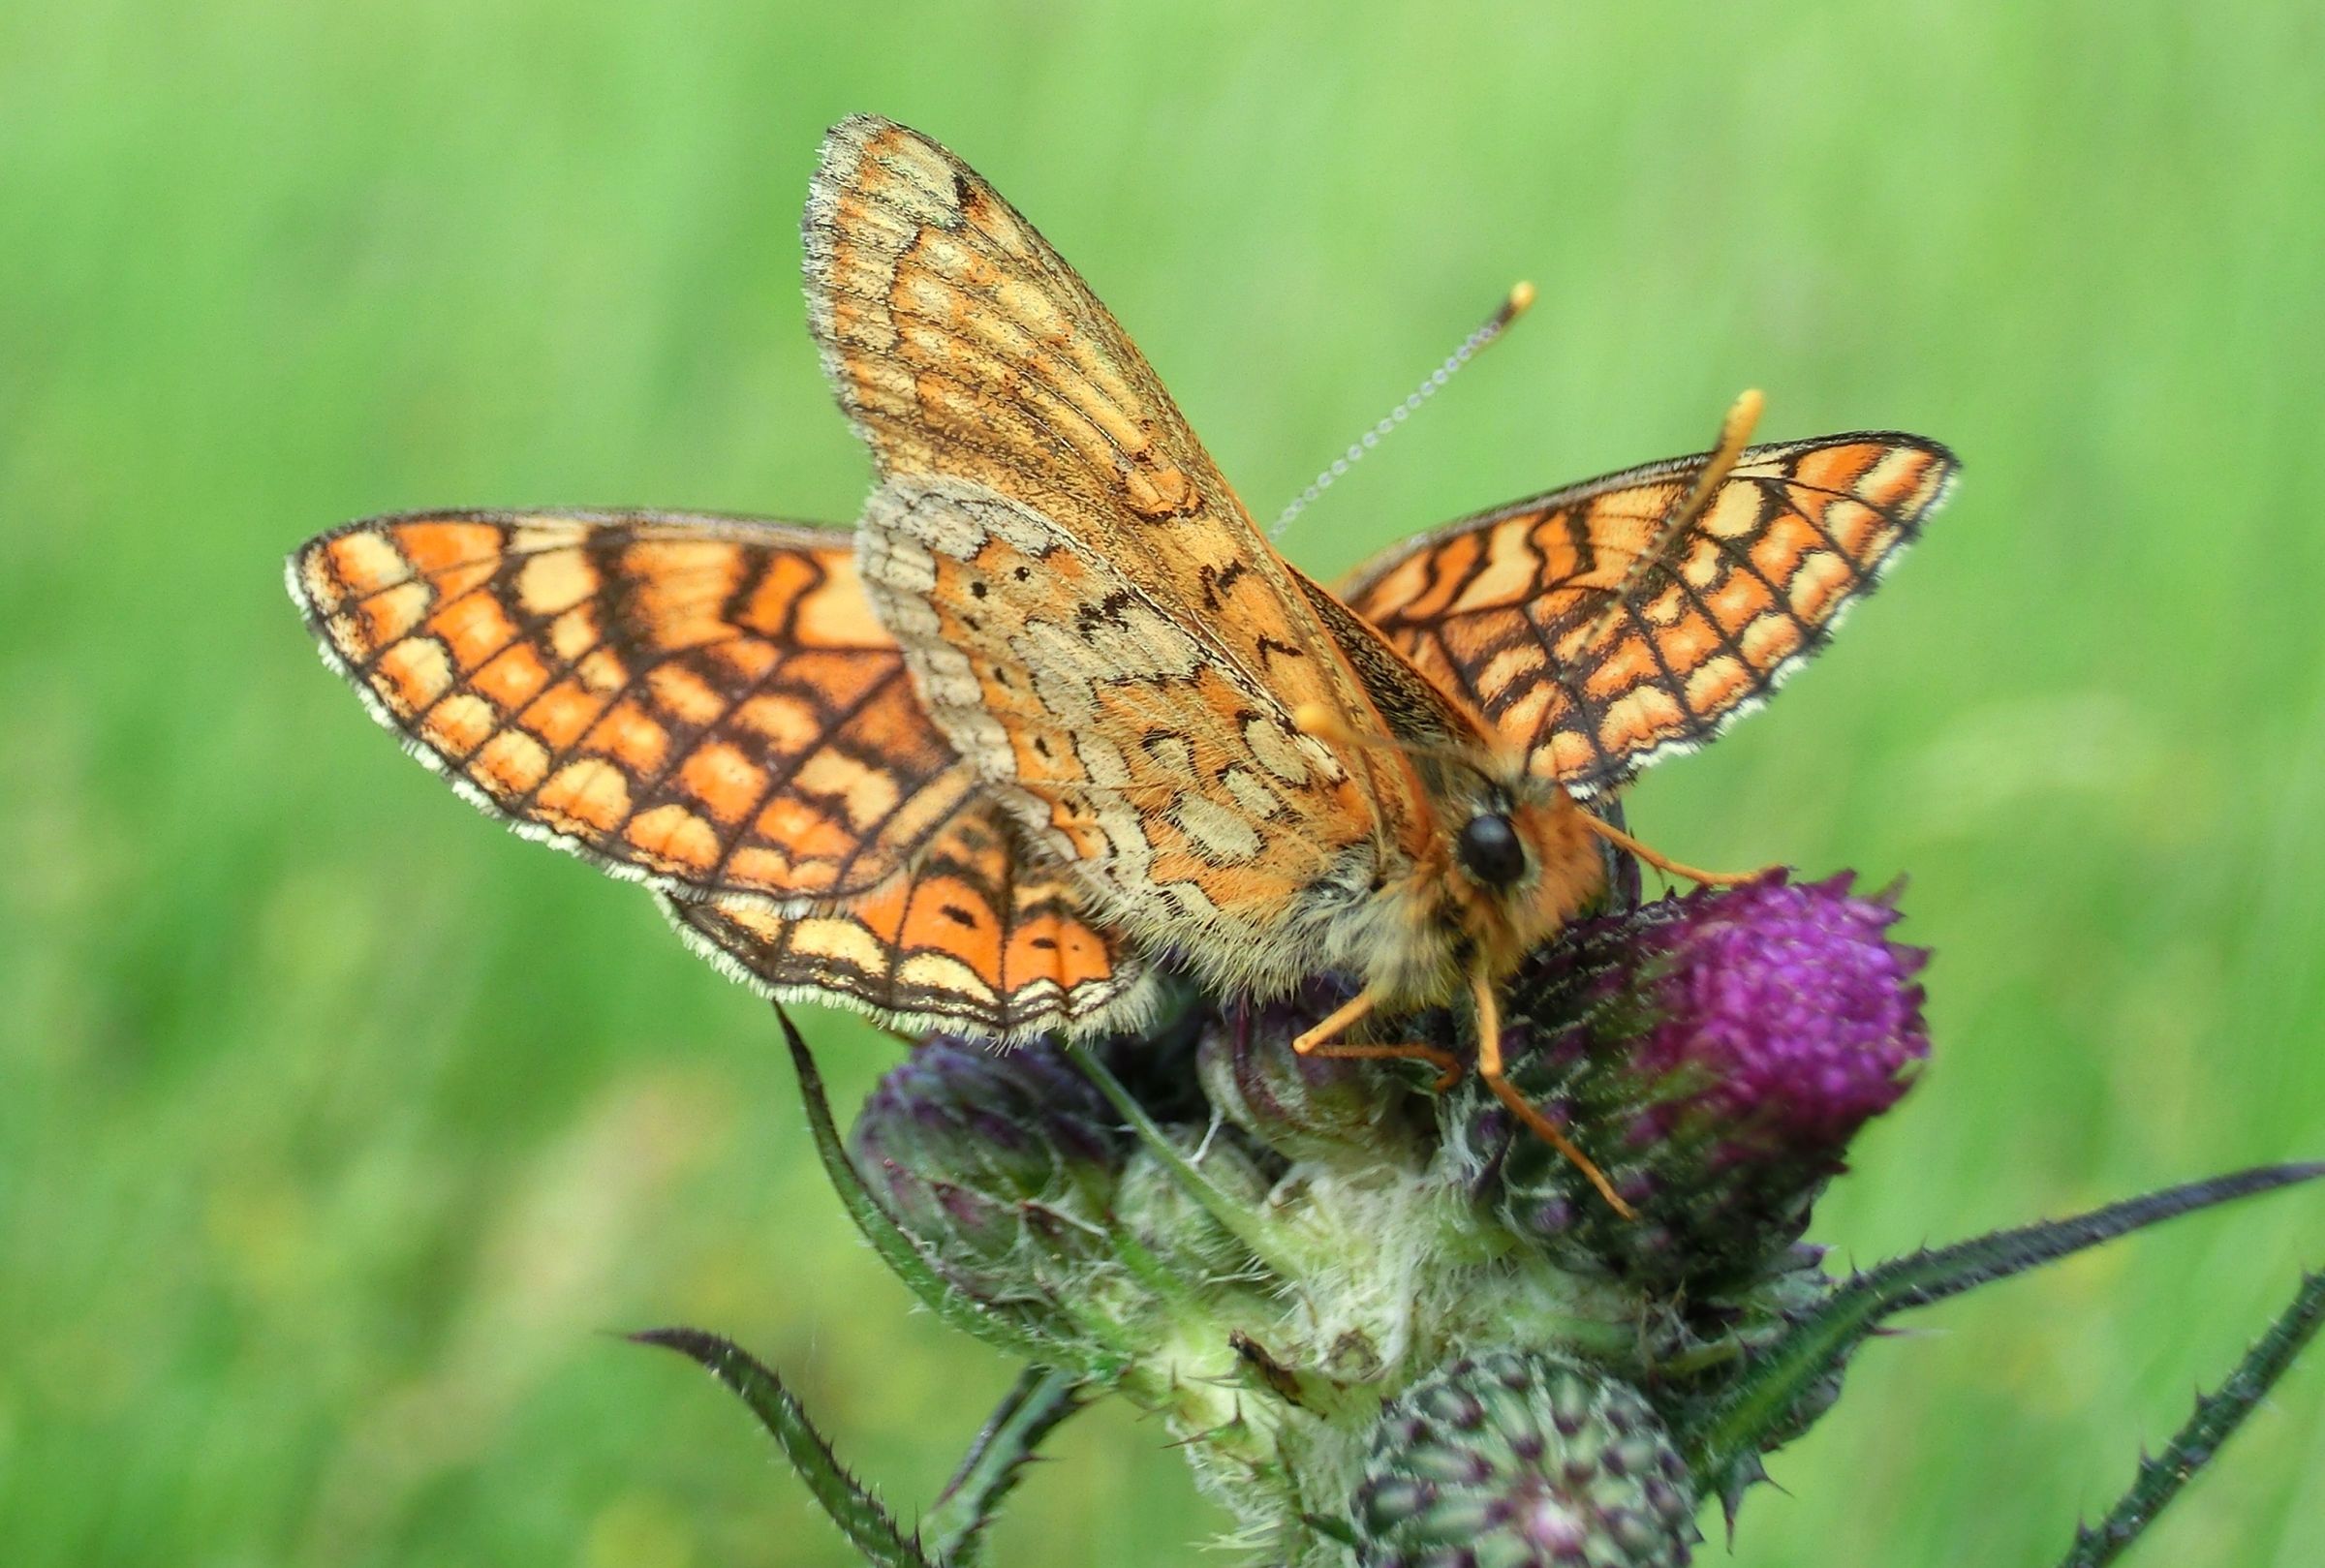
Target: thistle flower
[
  {"x": 1523, "y": 1460},
  {"x": 1715, "y": 1053},
  {"x": 1396, "y": 1327},
  {"x": 1000, "y": 1164}
]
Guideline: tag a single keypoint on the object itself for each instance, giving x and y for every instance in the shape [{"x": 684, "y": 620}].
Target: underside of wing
[
  {"x": 702, "y": 702},
  {"x": 1605, "y": 626},
  {"x": 972, "y": 937},
  {"x": 1193, "y": 812},
  {"x": 965, "y": 348}
]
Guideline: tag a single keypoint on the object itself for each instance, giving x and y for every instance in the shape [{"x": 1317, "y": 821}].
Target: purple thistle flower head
[
  {"x": 1716, "y": 1054},
  {"x": 1799, "y": 1014}
]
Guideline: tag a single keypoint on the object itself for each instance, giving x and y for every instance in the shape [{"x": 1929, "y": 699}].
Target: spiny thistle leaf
[
  {"x": 2216, "y": 1417},
  {"x": 853, "y": 1509},
  {"x": 994, "y": 1326},
  {"x": 1042, "y": 1398},
  {"x": 1763, "y": 1397}
]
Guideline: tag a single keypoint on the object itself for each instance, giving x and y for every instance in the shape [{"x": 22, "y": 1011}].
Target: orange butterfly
[{"x": 1061, "y": 711}]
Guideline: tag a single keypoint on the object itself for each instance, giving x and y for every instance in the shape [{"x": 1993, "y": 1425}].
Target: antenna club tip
[
  {"x": 1742, "y": 417},
  {"x": 1520, "y": 301}
]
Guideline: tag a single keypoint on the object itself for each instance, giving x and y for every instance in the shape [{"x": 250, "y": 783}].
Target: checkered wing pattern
[
  {"x": 705, "y": 703},
  {"x": 975, "y": 935},
  {"x": 1602, "y": 626},
  {"x": 1091, "y": 617}
]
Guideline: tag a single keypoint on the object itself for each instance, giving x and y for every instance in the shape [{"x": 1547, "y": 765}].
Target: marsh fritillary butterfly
[{"x": 1058, "y": 708}]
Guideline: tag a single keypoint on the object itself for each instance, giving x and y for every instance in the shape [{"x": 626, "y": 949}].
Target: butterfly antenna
[
  {"x": 1325, "y": 723},
  {"x": 1735, "y": 435},
  {"x": 1521, "y": 296}
]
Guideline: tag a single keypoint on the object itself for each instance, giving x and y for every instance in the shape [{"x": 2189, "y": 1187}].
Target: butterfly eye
[{"x": 1490, "y": 850}]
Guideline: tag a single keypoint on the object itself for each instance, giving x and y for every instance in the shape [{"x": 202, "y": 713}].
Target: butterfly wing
[
  {"x": 703, "y": 703},
  {"x": 1195, "y": 813},
  {"x": 1595, "y": 629},
  {"x": 963, "y": 346},
  {"x": 974, "y": 936},
  {"x": 1093, "y": 619}
]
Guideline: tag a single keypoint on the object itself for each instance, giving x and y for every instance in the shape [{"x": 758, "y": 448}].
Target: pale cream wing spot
[{"x": 555, "y": 581}]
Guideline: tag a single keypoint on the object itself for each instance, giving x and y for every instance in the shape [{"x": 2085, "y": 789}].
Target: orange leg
[
  {"x": 1624, "y": 841},
  {"x": 1322, "y": 1041},
  {"x": 1489, "y": 1069}
]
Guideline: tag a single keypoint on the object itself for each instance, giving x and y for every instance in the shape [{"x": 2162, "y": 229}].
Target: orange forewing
[
  {"x": 970, "y": 355},
  {"x": 1600, "y": 629},
  {"x": 706, "y": 702}
]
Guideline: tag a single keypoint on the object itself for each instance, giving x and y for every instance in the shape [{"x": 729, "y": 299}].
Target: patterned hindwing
[
  {"x": 704, "y": 702},
  {"x": 1593, "y": 629},
  {"x": 964, "y": 348},
  {"x": 971, "y": 937},
  {"x": 1191, "y": 809}
]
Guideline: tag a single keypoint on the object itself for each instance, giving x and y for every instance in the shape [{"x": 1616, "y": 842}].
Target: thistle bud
[
  {"x": 1523, "y": 1460},
  {"x": 1153, "y": 1204},
  {"x": 1316, "y": 1107},
  {"x": 1000, "y": 1164},
  {"x": 1715, "y": 1054}
]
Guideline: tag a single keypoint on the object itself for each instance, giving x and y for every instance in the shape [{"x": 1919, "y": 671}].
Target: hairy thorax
[{"x": 1422, "y": 923}]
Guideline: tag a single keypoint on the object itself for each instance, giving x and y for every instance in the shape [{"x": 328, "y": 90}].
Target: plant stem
[
  {"x": 1265, "y": 1242},
  {"x": 2216, "y": 1417},
  {"x": 1043, "y": 1396}
]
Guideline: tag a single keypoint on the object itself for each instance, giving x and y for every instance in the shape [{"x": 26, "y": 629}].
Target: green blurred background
[{"x": 335, "y": 1123}]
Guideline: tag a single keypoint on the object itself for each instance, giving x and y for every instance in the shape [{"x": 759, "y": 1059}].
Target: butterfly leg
[
  {"x": 1489, "y": 1069},
  {"x": 1693, "y": 873},
  {"x": 1322, "y": 1040}
]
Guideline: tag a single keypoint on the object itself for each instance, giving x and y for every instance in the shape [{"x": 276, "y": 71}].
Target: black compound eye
[{"x": 1490, "y": 850}]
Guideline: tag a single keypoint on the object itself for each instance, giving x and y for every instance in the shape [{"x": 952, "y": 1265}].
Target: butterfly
[{"x": 1057, "y": 715}]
